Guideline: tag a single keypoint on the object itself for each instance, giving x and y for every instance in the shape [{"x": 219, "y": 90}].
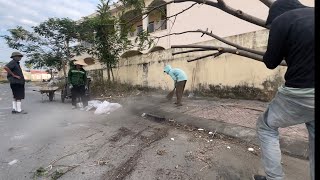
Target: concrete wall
[
  {"x": 227, "y": 69},
  {"x": 203, "y": 16}
]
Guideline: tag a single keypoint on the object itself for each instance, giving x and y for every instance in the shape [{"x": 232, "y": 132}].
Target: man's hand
[
  {"x": 16, "y": 76},
  {"x": 70, "y": 86}
]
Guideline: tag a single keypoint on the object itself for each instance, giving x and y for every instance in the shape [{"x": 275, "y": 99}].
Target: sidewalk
[{"x": 236, "y": 118}]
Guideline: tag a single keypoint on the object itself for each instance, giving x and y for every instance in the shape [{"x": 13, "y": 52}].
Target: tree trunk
[
  {"x": 112, "y": 74},
  {"x": 64, "y": 68},
  {"x": 108, "y": 71}
]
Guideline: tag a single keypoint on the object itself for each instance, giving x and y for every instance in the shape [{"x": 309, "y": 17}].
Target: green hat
[{"x": 14, "y": 54}]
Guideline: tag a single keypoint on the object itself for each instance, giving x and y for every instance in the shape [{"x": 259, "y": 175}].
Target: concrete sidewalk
[{"x": 235, "y": 118}]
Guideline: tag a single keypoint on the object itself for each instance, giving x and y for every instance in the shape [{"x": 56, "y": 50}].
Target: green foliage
[
  {"x": 47, "y": 45},
  {"x": 107, "y": 37}
]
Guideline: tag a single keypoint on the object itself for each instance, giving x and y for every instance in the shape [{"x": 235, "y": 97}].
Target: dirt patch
[
  {"x": 125, "y": 168},
  {"x": 122, "y": 132}
]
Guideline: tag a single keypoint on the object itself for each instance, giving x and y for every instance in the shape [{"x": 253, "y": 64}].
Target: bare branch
[
  {"x": 148, "y": 12},
  {"x": 220, "y": 39},
  {"x": 268, "y": 2},
  {"x": 175, "y": 15},
  {"x": 227, "y": 50},
  {"x": 189, "y": 51},
  {"x": 224, "y": 7},
  {"x": 209, "y": 55}
]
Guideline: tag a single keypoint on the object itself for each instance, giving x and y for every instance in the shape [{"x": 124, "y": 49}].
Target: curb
[{"x": 295, "y": 148}]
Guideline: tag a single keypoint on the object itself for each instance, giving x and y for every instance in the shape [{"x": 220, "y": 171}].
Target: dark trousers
[
  {"x": 18, "y": 91},
  {"x": 79, "y": 92},
  {"x": 179, "y": 90}
]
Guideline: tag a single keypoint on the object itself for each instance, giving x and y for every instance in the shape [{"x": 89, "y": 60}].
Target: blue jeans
[{"x": 283, "y": 111}]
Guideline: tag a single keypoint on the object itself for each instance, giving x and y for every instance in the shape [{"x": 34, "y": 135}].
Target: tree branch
[
  {"x": 209, "y": 55},
  {"x": 224, "y": 50},
  {"x": 218, "y": 38},
  {"x": 224, "y": 7},
  {"x": 268, "y": 3},
  {"x": 189, "y": 51}
]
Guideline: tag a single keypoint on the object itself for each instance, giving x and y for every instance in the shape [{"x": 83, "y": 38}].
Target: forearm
[{"x": 9, "y": 71}]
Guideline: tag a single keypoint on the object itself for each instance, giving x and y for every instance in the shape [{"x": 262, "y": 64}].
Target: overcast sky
[{"x": 28, "y": 13}]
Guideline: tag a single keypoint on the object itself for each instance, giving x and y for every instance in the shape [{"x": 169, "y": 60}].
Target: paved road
[{"x": 72, "y": 144}]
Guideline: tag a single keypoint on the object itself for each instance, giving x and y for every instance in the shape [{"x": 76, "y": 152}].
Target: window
[
  {"x": 163, "y": 24},
  {"x": 131, "y": 33},
  {"x": 139, "y": 29},
  {"x": 151, "y": 27}
]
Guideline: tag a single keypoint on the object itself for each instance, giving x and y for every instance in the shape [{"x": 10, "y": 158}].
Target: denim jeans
[{"x": 283, "y": 111}]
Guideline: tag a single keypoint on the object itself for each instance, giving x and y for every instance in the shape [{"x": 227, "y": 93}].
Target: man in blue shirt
[{"x": 180, "y": 79}]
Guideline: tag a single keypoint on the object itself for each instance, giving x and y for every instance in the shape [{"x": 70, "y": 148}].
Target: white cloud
[{"x": 28, "y": 22}]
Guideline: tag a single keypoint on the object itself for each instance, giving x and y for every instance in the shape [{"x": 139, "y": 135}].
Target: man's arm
[
  {"x": 276, "y": 44},
  {"x": 173, "y": 76},
  {"x": 85, "y": 78},
  {"x": 11, "y": 73}
]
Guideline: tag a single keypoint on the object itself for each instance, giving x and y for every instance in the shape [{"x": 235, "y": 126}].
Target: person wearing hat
[
  {"x": 17, "y": 82},
  {"x": 77, "y": 78}
]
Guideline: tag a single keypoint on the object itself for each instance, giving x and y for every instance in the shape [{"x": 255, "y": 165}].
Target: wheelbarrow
[{"x": 47, "y": 92}]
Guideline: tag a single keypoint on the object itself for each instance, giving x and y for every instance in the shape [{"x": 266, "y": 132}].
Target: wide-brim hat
[
  {"x": 80, "y": 62},
  {"x": 89, "y": 60},
  {"x": 14, "y": 54}
]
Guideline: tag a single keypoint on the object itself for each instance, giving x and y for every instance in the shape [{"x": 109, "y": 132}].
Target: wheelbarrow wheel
[
  {"x": 63, "y": 96},
  {"x": 51, "y": 95}
]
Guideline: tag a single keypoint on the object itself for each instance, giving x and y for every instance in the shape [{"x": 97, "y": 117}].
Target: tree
[
  {"x": 108, "y": 35},
  {"x": 101, "y": 32},
  {"x": 50, "y": 44}
]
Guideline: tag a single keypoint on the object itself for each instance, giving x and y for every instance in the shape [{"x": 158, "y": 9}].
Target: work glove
[
  {"x": 86, "y": 87},
  {"x": 70, "y": 86}
]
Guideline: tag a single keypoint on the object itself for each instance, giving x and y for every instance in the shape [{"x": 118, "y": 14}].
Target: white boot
[
  {"x": 18, "y": 106},
  {"x": 14, "y": 106},
  {"x": 19, "y": 110}
]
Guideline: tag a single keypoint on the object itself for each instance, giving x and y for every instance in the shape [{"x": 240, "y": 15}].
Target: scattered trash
[
  {"x": 190, "y": 95},
  {"x": 79, "y": 105},
  {"x": 13, "y": 162},
  {"x": 250, "y": 149},
  {"x": 171, "y": 120},
  {"x": 172, "y": 139},
  {"x": 106, "y": 107},
  {"x": 199, "y": 136},
  {"x": 210, "y": 132},
  {"x": 143, "y": 114},
  {"x": 161, "y": 152},
  {"x": 102, "y": 163},
  {"x": 228, "y": 147},
  {"x": 211, "y": 140},
  {"x": 177, "y": 166},
  {"x": 200, "y": 129}
]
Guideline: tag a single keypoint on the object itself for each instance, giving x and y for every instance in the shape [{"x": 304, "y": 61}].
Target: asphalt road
[{"x": 54, "y": 141}]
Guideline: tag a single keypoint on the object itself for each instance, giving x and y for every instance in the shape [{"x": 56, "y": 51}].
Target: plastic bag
[{"x": 107, "y": 107}]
